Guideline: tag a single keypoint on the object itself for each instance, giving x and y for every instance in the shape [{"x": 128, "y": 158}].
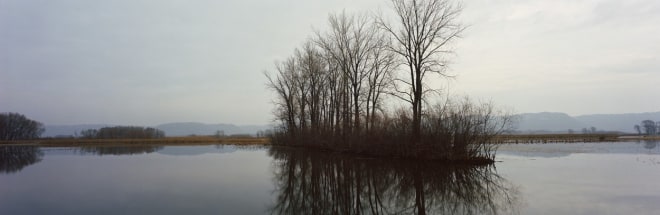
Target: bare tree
[
  {"x": 15, "y": 126},
  {"x": 311, "y": 85},
  {"x": 349, "y": 42},
  {"x": 421, "y": 37},
  {"x": 284, "y": 85},
  {"x": 382, "y": 65},
  {"x": 649, "y": 127}
]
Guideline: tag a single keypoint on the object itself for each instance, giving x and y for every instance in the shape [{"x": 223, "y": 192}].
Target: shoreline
[
  {"x": 168, "y": 141},
  {"x": 208, "y": 140},
  {"x": 568, "y": 138}
]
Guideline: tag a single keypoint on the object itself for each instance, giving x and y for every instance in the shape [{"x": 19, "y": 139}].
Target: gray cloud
[
  {"x": 149, "y": 62},
  {"x": 571, "y": 56}
]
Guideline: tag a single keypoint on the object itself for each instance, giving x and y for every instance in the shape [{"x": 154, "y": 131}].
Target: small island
[{"x": 340, "y": 91}]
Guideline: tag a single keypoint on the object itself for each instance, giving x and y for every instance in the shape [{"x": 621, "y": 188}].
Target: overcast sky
[{"x": 139, "y": 62}]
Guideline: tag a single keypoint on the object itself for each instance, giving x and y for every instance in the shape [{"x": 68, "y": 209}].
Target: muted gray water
[{"x": 585, "y": 178}]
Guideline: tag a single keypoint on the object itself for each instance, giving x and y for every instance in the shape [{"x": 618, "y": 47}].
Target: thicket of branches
[
  {"x": 122, "y": 132},
  {"x": 15, "y": 126},
  {"x": 332, "y": 92}
]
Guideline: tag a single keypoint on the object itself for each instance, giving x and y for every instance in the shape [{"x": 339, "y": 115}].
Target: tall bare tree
[
  {"x": 383, "y": 63},
  {"x": 284, "y": 86},
  {"x": 638, "y": 129},
  {"x": 422, "y": 32},
  {"x": 349, "y": 42},
  {"x": 311, "y": 82}
]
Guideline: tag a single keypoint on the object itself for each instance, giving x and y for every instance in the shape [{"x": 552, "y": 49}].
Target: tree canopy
[{"x": 15, "y": 126}]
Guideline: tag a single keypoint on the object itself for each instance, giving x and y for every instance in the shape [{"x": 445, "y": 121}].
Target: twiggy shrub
[{"x": 453, "y": 131}]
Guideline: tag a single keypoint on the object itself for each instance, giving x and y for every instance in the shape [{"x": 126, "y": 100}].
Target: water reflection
[
  {"x": 15, "y": 158},
  {"x": 650, "y": 144},
  {"x": 199, "y": 150},
  {"x": 117, "y": 150},
  {"x": 324, "y": 183}
]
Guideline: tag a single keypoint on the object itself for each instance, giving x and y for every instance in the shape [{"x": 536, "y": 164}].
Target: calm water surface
[{"x": 593, "y": 178}]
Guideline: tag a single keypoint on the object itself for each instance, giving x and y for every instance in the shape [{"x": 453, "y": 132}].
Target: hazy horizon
[
  {"x": 271, "y": 123},
  {"x": 67, "y": 62}
]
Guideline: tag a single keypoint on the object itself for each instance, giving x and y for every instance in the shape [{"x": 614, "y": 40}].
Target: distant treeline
[
  {"x": 122, "y": 132},
  {"x": 15, "y": 126},
  {"x": 648, "y": 127},
  {"x": 118, "y": 150}
]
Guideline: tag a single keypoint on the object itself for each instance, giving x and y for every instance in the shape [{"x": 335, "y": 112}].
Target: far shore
[
  {"x": 569, "y": 138},
  {"x": 211, "y": 140},
  {"x": 168, "y": 141}
]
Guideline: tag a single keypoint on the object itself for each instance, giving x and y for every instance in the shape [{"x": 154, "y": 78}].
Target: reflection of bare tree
[
  {"x": 15, "y": 158},
  {"x": 650, "y": 144},
  {"x": 320, "y": 183},
  {"x": 118, "y": 150}
]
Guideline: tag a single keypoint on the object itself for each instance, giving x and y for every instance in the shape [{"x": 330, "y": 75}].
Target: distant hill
[
  {"x": 181, "y": 150},
  {"x": 544, "y": 122},
  {"x": 170, "y": 129},
  {"x": 195, "y": 128},
  {"x": 190, "y": 128},
  {"x": 547, "y": 122},
  {"x": 618, "y": 122}
]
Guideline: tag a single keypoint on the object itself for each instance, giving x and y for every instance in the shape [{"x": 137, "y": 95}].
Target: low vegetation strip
[
  {"x": 555, "y": 138},
  {"x": 162, "y": 141}
]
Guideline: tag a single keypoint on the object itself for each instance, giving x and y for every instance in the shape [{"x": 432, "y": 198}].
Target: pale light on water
[
  {"x": 594, "y": 178},
  {"x": 585, "y": 178},
  {"x": 66, "y": 182}
]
